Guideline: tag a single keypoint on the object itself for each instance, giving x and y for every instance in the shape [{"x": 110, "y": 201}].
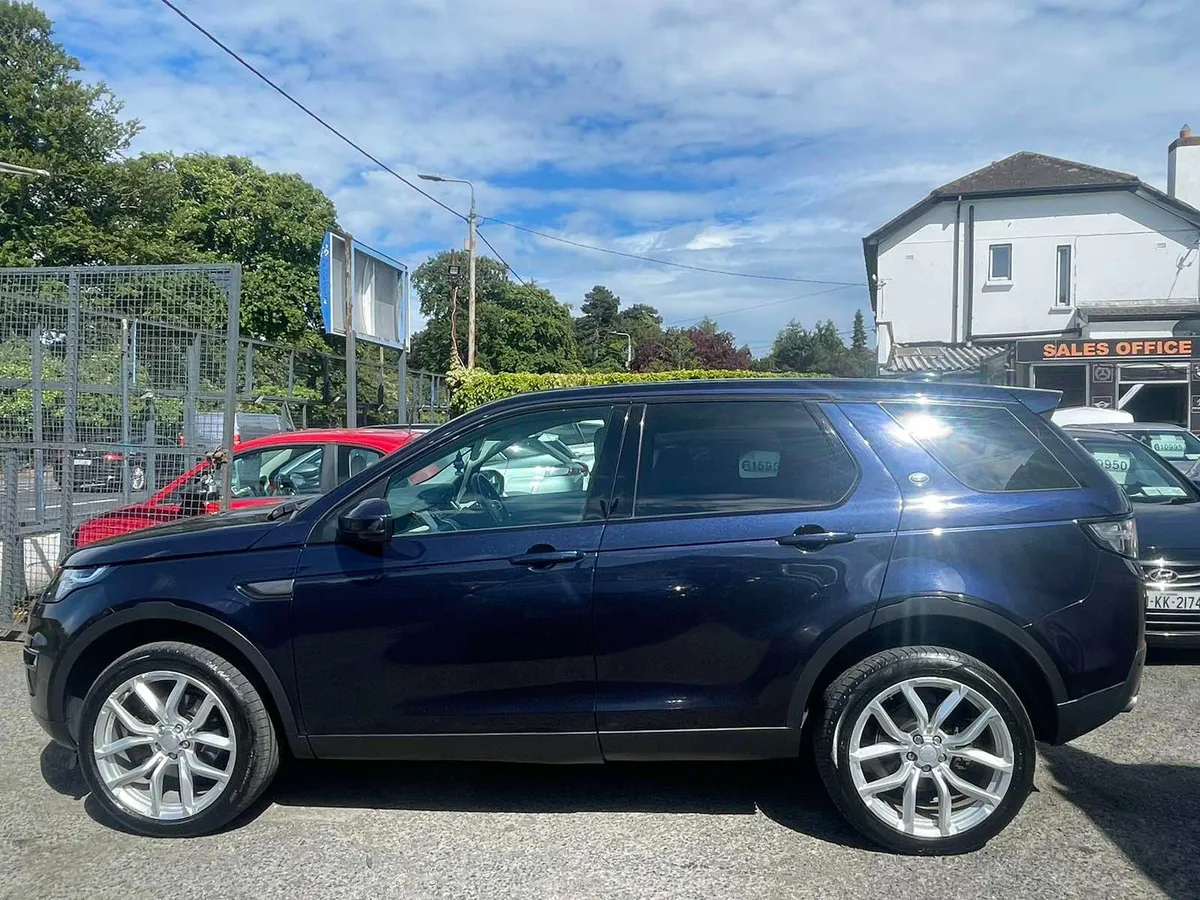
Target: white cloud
[{"x": 764, "y": 136}]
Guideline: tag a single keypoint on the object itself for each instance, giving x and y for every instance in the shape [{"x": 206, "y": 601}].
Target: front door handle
[
  {"x": 537, "y": 558},
  {"x": 810, "y": 537}
]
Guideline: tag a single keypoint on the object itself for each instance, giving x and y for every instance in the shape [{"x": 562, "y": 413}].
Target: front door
[
  {"x": 755, "y": 531},
  {"x": 475, "y": 619}
]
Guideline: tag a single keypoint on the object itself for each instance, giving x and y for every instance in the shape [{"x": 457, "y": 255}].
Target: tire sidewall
[
  {"x": 997, "y": 692},
  {"x": 229, "y": 803}
]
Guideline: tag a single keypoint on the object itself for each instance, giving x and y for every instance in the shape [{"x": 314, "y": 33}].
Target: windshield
[
  {"x": 1174, "y": 444},
  {"x": 1143, "y": 476}
]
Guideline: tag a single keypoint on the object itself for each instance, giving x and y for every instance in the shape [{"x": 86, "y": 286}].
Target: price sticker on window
[
  {"x": 1115, "y": 464},
  {"x": 758, "y": 464},
  {"x": 1168, "y": 445}
]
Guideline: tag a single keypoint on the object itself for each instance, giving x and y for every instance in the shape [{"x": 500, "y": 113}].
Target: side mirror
[{"x": 370, "y": 522}]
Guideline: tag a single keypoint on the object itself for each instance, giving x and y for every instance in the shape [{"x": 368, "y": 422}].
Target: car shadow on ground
[
  {"x": 788, "y": 792},
  {"x": 1146, "y": 809}
]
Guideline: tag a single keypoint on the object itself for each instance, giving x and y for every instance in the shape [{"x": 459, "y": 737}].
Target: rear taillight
[
  {"x": 1119, "y": 536},
  {"x": 113, "y": 457}
]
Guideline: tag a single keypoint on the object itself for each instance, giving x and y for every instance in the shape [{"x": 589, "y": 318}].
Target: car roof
[
  {"x": 1150, "y": 426},
  {"x": 1099, "y": 431},
  {"x": 1040, "y": 401},
  {"x": 378, "y": 438}
]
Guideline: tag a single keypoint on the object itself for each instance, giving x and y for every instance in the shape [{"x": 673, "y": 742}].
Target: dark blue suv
[{"x": 926, "y": 579}]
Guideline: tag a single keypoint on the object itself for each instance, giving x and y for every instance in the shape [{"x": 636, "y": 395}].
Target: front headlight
[{"x": 68, "y": 580}]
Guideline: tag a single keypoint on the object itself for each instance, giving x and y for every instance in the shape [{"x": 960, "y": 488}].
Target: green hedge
[{"x": 469, "y": 389}]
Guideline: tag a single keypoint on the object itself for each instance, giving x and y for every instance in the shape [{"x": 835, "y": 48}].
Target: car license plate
[
  {"x": 1173, "y": 600},
  {"x": 81, "y": 462}
]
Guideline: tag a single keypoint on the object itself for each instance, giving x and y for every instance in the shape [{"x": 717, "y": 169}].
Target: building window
[
  {"x": 1063, "y": 296},
  {"x": 1000, "y": 262}
]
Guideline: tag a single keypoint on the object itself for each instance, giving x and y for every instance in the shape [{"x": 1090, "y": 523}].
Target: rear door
[{"x": 743, "y": 533}]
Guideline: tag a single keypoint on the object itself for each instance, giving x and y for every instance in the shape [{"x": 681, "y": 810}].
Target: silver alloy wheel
[
  {"x": 137, "y": 478},
  {"x": 164, "y": 745},
  {"x": 931, "y": 774}
]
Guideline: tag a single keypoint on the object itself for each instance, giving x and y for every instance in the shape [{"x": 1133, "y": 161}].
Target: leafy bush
[{"x": 476, "y": 387}]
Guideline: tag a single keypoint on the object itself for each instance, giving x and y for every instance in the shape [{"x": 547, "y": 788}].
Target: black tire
[
  {"x": 257, "y": 751},
  {"x": 848, "y": 697}
]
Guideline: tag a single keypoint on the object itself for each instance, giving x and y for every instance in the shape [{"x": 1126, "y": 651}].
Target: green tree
[
  {"x": 858, "y": 339},
  {"x": 51, "y": 119},
  {"x": 519, "y": 328},
  {"x": 599, "y": 349}
]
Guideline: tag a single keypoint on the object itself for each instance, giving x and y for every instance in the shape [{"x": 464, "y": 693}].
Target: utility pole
[
  {"x": 471, "y": 284},
  {"x": 472, "y": 222},
  {"x": 351, "y": 342},
  {"x": 454, "y": 271}
]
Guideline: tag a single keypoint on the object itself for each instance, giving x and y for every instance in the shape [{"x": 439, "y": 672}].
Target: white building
[{"x": 1041, "y": 271}]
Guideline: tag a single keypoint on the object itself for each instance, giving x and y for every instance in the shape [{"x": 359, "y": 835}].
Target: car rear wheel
[
  {"x": 137, "y": 478},
  {"x": 925, "y": 750},
  {"x": 175, "y": 741}
]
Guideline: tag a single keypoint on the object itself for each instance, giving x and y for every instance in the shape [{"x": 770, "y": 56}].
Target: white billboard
[{"x": 380, "y": 291}]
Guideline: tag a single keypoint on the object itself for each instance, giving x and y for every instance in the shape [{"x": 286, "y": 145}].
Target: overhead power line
[
  {"x": 542, "y": 234},
  {"x": 308, "y": 112},
  {"x": 503, "y": 261},
  {"x": 667, "y": 262}
]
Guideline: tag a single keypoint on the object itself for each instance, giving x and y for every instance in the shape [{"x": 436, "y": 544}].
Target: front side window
[
  {"x": 1143, "y": 477},
  {"x": 514, "y": 472},
  {"x": 739, "y": 457},
  {"x": 1000, "y": 262},
  {"x": 986, "y": 448},
  {"x": 277, "y": 472}
]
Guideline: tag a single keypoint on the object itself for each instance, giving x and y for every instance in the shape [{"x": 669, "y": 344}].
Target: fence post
[
  {"x": 192, "y": 359},
  {"x": 39, "y": 454},
  {"x": 126, "y": 449},
  {"x": 248, "y": 389},
  {"x": 232, "y": 330},
  {"x": 403, "y": 408},
  {"x": 12, "y": 575},
  {"x": 70, "y": 414}
]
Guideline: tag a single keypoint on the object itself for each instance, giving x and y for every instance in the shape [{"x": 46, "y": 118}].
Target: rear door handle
[
  {"x": 544, "y": 559},
  {"x": 804, "y": 539}
]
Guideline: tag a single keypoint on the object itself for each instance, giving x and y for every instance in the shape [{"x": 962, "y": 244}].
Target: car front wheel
[
  {"x": 925, "y": 750},
  {"x": 175, "y": 741}
]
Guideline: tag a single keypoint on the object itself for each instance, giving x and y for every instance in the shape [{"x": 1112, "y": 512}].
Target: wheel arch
[
  {"x": 156, "y": 621},
  {"x": 942, "y": 620}
]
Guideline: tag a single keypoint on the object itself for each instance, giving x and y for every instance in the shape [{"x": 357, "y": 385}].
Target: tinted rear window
[
  {"x": 736, "y": 457},
  {"x": 985, "y": 447}
]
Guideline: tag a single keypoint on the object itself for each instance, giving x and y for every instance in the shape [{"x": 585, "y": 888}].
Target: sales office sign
[{"x": 1109, "y": 348}]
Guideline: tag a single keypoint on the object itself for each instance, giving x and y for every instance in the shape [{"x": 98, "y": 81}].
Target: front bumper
[
  {"x": 1077, "y": 717},
  {"x": 38, "y": 673}
]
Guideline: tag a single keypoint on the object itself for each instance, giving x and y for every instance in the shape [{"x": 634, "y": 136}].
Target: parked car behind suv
[
  {"x": 926, "y": 579},
  {"x": 266, "y": 471},
  {"x": 1167, "y": 508},
  {"x": 1174, "y": 443}
]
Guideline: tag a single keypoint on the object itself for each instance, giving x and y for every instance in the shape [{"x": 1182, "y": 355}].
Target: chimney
[{"x": 1183, "y": 168}]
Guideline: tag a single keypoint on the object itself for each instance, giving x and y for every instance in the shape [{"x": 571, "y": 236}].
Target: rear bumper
[
  {"x": 1078, "y": 717},
  {"x": 1173, "y": 638}
]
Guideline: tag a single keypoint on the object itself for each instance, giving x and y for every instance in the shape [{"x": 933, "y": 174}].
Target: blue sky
[{"x": 758, "y": 136}]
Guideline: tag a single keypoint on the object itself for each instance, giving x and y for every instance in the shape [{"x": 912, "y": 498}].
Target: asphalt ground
[{"x": 1114, "y": 815}]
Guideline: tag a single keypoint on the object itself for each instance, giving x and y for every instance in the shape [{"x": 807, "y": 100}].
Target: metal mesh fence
[
  {"x": 114, "y": 382},
  {"x": 117, "y": 383}
]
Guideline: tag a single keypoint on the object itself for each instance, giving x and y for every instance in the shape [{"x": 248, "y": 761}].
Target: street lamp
[
  {"x": 14, "y": 169},
  {"x": 470, "y": 263},
  {"x": 628, "y": 346}
]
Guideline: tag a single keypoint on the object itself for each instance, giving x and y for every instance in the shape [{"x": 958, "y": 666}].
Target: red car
[{"x": 265, "y": 470}]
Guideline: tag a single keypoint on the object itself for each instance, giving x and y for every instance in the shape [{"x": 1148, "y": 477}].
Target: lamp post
[
  {"x": 628, "y": 346},
  {"x": 471, "y": 221}
]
